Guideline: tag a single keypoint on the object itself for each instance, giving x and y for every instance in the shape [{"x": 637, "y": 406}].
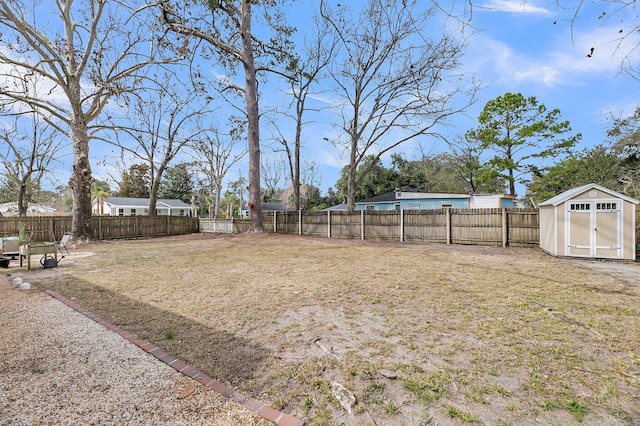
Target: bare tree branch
[
  {"x": 396, "y": 81},
  {"x": 84, "y": 54}
]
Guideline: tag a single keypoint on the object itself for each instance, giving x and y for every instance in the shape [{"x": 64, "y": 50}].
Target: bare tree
[
  {"x": 395, "y": 82},
  {"x": 30, "y": 147},
  {"x": 216, "y": 154},
  {"x": 85, "y": 53},
  {"x": 306, "y": 75},
  {"x": 226, "y": 27},
  {"x": 300, "y": 172},
  {"x": 163, "y": 120},
  {"x": 273, "y": 172},
  {"x": 236, "y": 187},
  {"x": 467, "y": 160}
]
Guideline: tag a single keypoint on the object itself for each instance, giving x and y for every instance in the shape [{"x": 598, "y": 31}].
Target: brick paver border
[{"x": 256, "y": 407}]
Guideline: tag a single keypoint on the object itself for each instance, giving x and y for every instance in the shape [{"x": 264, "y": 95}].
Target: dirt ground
[{"x": 368, "y": 332}]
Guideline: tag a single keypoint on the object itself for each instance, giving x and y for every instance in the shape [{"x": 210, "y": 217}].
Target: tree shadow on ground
[{"x": 221, "y": 355}]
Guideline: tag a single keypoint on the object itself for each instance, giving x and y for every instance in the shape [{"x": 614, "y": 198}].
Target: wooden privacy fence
[
  {"x": 52, "y": 228},
  {"x": 513, "y": 227}
]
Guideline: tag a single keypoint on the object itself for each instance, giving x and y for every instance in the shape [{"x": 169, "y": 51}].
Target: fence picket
[
  {"x": 514, "y": 227},
  {"x": 48, "y": 228}
]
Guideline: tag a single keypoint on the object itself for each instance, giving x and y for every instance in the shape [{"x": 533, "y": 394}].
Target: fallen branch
[{"x": 328, "y": 351}]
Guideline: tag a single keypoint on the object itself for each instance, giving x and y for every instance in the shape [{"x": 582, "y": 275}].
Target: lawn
[{"x": 417, "y": 333}]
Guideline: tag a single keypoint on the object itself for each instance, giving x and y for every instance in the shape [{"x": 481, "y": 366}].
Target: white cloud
[
  {"x": 329, "y": 158},
  {"x": 508, "y": 6},
  {"x": 564, "y": 62},
  {"x": 496, "y": 62}
]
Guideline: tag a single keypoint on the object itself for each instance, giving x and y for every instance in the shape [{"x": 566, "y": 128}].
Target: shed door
[{"x": 594, "y": 229}]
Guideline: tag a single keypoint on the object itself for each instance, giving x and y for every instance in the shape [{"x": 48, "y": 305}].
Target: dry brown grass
[{"x": 467, "y": 334}]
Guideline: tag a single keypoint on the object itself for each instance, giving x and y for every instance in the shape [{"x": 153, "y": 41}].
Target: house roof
[
  {"x": 173, "y": 203},
  {"x": 391, "y": 195},
  {"x": 338, "y": 207},
  {"x": 574, "y": 192},
  {"x": 32, "y": 208},
  {"x": 271, "y": 207},
  {"x": 397, "y": 195},
  {"x": 144, "y": 202},
  {"x": 386, "y": 197},
  {"x": 278, "y": 207}
]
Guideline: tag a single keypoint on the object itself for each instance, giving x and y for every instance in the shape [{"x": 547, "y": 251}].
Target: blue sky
[
  {"x": 522, "y": 50},
  {"x": 533, "y": 49},
  {"x": 522, "y": 46}
]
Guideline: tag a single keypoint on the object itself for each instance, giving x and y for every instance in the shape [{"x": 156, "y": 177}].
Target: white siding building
[{"x": 125, "y": 206}]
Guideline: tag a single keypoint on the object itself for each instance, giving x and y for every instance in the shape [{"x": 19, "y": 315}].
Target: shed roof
[{"x": 574, "y": 192}]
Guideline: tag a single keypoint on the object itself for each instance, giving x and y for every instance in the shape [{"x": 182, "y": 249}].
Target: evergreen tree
[
  {"x": 177, "y": 183},
  {"x": 135, "y": 182},
  {"x": 594, "y": 166},
  {"x": 521, "y": 131}
]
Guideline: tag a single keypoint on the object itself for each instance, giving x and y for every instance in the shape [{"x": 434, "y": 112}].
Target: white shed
[{"x": 589, "y": 221}]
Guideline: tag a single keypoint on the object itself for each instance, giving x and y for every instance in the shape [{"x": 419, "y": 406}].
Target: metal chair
[{"x": 62, "y": 244}]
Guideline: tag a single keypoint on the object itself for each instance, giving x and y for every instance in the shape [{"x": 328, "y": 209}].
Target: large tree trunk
[
  {"x": 153, "y": 198},
  {"x": 217, "y": 200},
  {"x": 296, "y": 175},
  {"x": 22, "y": 199},
  {"x": 512, "y": 183},
  {"x": 351, "y": 177},
  {"x": 351, "y": 190},
  {"x": 80, "y": 182},
  {"x": 255, "y": 203},
  {"x": 253, "y": 117},
  {"x": 295, "y": 179}
]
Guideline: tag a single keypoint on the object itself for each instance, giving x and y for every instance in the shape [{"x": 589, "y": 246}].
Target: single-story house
[
  {"x": 11, "y": 209},
  {"x": 413, "y": 198},
  {"x": 589, "y": 221},
  {"x": 127, "y": 206},
  {"x": 266, "y": 208}
]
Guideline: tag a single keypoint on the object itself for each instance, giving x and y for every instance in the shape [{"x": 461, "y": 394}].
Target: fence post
[
  {"x": 505, "y": 228},
  {"x": 328, "y": 223},
  {"x": 362, "y": 224},
  {"x": 100, "y": 233},
  {"x": 448, "y": 221},
  {"x": 401, "y": 225},
  {"x": 299, "y": 222},
  {"x": 168, "y": 225},
  {"x": 275, "y": 222}
]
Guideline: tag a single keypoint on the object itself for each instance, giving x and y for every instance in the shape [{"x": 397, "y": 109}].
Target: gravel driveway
[{"x": 60, "y": 367}]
